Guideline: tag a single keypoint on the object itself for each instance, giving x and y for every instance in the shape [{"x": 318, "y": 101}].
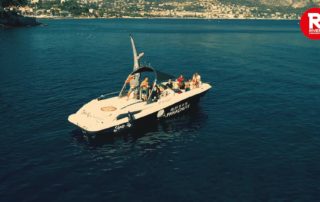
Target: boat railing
[{"x": 108, "y": 95}]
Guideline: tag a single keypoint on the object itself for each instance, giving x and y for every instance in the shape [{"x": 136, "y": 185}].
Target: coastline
[
  {"x": 155, "y": 18},
  {"x": 13, "y": 19}
]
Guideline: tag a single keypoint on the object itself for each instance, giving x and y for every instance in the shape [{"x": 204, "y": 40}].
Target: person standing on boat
[
  {"x": 144, "y": 86},
  {"x": 181, "y": 82},
  {"x": 194, "y": 81},
  {"x": 198, "y": 79},
  {"x": 133, "y": 85}
]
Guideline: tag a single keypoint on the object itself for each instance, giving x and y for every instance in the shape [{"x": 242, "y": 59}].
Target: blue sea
[{"x": 254, "y": 137}]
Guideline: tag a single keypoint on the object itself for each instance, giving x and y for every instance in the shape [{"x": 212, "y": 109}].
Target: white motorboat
[{"x": 107, "y": 114}]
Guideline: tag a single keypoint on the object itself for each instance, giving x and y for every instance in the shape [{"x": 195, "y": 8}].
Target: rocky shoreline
[{"x": 12, "y": 19}]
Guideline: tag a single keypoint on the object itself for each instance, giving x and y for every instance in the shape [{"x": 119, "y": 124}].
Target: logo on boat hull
[
  {"x": 121, "y": 127},
  {"x": 177, "y": 109}
]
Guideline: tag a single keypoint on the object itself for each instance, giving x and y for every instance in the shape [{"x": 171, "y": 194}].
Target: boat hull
[{"x": 165, "y": 113}]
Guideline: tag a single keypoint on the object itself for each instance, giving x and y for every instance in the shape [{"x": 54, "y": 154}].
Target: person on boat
[
  {"x": 198, "y": 79},
  {"x": 161, "y": 89},
  {"x": 155, "y": 94},
  {"x": 175, "y": 85},
  {"x": 180, "y": 81},
  {"x": 169, "y": 84},
  {"x": 194, "y": 81},
  {"x": 187, "y": 85},
  {"x": 133, "y": 85},
  {"x": 144, "y": 86}
]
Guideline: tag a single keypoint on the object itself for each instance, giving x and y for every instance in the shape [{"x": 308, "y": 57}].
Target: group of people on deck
[
  {"x": 187, "y": 85},
  {"x": 145, "y": 90}
]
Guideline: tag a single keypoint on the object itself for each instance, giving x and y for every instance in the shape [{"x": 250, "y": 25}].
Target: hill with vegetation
[
  {"x": 212, "y": 9},
  {"x": 11, "y": 18},
  {"x": 276, "y": 3}
]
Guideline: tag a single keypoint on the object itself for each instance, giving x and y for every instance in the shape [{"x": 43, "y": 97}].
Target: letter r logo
[
  {"x": 314, "y": 20},
  {"x": 310, "y": 23}
]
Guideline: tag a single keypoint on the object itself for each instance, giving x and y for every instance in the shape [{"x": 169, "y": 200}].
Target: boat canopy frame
[{"x": 159, "y": 77}]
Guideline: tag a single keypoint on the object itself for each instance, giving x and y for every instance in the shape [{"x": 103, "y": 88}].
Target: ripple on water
[{"x": 116, "y": 152}]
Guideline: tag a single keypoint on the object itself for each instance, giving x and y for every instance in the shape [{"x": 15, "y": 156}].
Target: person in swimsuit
[
  {"x": 133, "y": 85},
  {"x": 144, "y": 86}
]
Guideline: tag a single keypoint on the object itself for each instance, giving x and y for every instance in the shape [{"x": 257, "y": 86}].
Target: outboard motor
[{"x": 131, "y": 117}]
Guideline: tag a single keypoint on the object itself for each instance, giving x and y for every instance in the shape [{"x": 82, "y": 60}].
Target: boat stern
[{"x": 79, "y": 122}]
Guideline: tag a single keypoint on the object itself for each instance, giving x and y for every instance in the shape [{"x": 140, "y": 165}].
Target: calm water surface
[{"x": 255, "y": 136}]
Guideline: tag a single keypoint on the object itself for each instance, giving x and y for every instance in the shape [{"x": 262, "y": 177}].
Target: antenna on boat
[
  {"x": 136, "y": 56},
  {"x": 136, "y": 64}
]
